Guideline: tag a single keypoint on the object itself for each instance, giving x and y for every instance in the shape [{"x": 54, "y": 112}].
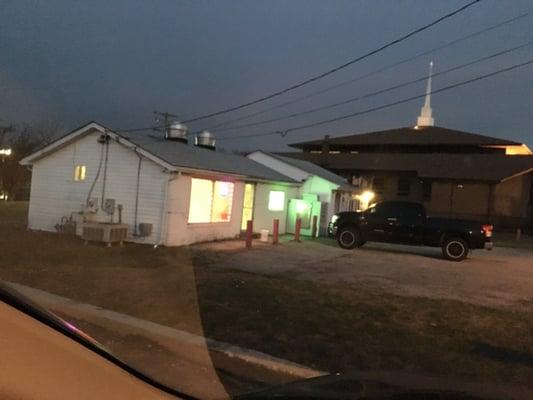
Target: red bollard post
[
  {"x": 275, "y": 231},
  {"x": 297, "y": 229},
  {"x": 249, "y": 233},
  {"x": 315, "y": 227}
]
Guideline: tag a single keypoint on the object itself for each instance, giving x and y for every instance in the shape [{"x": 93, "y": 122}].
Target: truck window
[
  {"x": 388, "y": 209},
  {"x": 412, "y": 211}
]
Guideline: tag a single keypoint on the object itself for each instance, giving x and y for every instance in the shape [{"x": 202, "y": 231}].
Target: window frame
[
  {"x": 213, "y": 185},
  {"x": 403, "y": 187},
  {"x": 378, "y": 184},
  {"x": 270, "y": 201},
  {"x": 80, "y": 173},
  {"x": 427, "y": 191}
]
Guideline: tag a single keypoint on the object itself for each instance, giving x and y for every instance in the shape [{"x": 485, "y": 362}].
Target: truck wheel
[
  {"x": 455, "y": 249},
  {"x": 348, "y": 238}
]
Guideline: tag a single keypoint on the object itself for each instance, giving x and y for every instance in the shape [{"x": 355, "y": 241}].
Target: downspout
[
  {"x": 93, "y": 184},
  {"x": 106, "y": 138},
  {"x": 138, "y": 183}
]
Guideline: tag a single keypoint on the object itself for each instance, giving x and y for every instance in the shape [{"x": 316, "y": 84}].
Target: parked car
[{"x": 407, "y": 223}]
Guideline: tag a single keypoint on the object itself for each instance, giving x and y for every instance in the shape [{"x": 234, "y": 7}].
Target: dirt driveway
[{"x": 502, "y": 277}]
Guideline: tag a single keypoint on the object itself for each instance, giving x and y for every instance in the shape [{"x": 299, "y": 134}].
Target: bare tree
[{"x": 22, "y": 140}]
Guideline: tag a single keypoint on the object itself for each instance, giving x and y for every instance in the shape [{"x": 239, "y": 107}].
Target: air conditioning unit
[
  {"x": 106, "y": 233},
  {"x": 145, "y": 229}
]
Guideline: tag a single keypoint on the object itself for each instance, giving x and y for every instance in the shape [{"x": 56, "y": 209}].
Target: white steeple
[{"x": 426, "y": 115}]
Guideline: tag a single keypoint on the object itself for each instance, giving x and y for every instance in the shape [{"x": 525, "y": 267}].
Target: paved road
[{"x": 501, "y": 278}]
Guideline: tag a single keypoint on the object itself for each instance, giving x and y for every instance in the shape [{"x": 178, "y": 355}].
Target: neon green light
[
  {"x": 301, "y": 207},
  {"x": 276, "y": 200}
]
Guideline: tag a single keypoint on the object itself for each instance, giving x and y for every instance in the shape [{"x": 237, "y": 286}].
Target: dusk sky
[{"x": 116, "y": 62}]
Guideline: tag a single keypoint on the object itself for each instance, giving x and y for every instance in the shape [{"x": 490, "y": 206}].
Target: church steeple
[{"x": 426, "y": 113}]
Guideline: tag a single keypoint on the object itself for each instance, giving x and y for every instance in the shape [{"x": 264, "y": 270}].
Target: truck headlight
[{"x": 334, "y": 218}]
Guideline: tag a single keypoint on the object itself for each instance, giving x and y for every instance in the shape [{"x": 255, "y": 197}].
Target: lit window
[
  {"x": 79, "y": 172},
  {"x": 222, "y": 201},
  {"x": 248, "y": 204},
  {"x": 210, "y": 201},
  {"x": 276, "y": 201}
]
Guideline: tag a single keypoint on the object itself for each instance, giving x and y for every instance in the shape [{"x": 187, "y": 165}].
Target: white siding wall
[
  {"x": 54, "y": 193},
  {"x": 180, "y": 232},
  {"x": 312, "y": 184},
  {"x": 263, "y": 217},
  {"x": 323, "y": 188}
]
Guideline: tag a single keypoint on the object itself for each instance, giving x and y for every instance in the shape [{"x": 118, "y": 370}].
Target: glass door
[{"x": 248, "y": 204}]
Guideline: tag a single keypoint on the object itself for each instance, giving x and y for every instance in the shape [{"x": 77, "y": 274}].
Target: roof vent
[
  {"x": 206, "y": 139},
  {"x": 176, "y": 131}
]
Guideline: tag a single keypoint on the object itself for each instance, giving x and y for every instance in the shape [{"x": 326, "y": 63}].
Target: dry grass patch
[{"x": 330, "y": 327}]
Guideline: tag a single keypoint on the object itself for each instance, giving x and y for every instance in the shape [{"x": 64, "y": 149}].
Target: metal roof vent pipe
[
  {"x": 205, "y": 139},
  {"x": 176, "y": 132}
]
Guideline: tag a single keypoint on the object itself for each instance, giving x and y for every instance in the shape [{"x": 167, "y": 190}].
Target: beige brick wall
[{"x": 510, "y": 198}]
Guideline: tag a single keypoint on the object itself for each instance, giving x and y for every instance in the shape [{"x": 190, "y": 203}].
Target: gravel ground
[{"x": 499, "y": 278}]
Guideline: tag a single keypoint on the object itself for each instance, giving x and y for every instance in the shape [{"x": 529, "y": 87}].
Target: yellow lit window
[
  {"x": 248, "y": 204},
  {"x": 79, "y": 172},
  {"x": 222, "y": 201},
  {"x": 276, "y": 200},
  {"x": 210, "y": 201},
  {"x": 201, "y": 197}
]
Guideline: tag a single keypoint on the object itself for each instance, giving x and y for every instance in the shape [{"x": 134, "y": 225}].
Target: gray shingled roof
[
  {"x": 181, "y": 154},
  {"x": 476, "y": 167},
  {"x": 430, "y": 135},
  {"x": 311, "y": 168}
]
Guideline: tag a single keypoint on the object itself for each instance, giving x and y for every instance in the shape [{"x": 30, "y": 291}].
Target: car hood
[{"x": 389, "y": 385}]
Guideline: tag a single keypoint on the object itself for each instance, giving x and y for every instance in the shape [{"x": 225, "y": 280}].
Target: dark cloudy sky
[{"x": 117, "y": 61}]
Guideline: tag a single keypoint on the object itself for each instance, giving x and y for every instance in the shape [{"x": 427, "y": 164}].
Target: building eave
[{"x": 124, "y": 141}]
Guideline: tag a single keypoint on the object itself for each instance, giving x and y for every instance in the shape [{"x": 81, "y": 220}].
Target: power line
[
  {"x": 378, "y": 108},
  {"x": 374, "y": 72},
  {"x": 372, "y": 94},
  {"x": 353, "y": 80},
  {"x": 335, "y": 69}
]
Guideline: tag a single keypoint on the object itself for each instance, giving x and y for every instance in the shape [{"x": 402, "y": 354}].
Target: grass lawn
[{"x": 330, "y": 327}]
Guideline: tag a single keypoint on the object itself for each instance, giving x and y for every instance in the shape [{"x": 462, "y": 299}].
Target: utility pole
[{"x": 164, "y": 117}]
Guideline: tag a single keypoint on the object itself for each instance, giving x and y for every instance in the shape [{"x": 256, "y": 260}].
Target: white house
[
  {"x": 321, "y": 193},
  {"x": 168, "y": 192}
]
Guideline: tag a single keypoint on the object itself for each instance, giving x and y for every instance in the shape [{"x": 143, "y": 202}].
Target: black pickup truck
[{"x": 406, "y": 223}]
